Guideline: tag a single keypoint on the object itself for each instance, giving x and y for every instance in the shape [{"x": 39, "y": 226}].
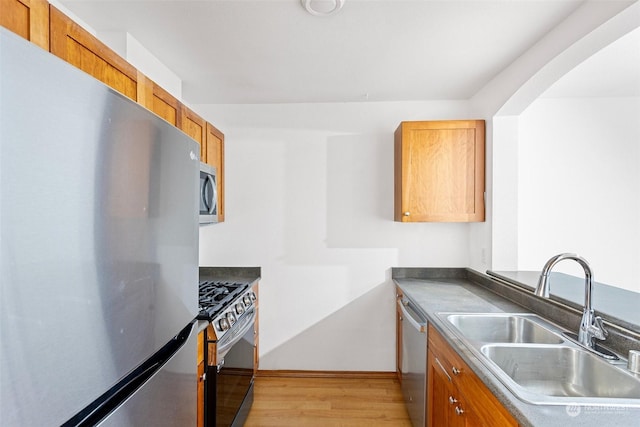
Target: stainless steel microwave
[{"x": 208, "y": 194}]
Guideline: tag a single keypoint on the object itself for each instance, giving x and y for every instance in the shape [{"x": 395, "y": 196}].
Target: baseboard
[{"x": 327, "y": 374}]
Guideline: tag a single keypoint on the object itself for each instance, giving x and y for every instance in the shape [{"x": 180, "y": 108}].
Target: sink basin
[
  {"x": 507, "y": 328},
  {"x": 541, "y": 363},
  {"x": 542, "y": 374}
]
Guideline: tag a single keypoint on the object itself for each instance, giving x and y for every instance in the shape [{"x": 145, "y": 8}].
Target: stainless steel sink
[
  {"x": 539, "y": 364},
  {"x": 542, "y": 374},
  {"x": 508, "y": 328}
]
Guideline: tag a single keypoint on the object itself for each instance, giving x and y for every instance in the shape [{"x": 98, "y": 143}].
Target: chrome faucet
[{"x": 590, "y": 326}]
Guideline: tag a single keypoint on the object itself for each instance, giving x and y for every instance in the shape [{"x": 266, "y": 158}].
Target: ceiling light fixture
[{"x": 337, "y": 5}]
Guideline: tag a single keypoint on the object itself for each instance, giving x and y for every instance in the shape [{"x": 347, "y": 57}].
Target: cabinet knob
[
  {"x": 407, "y": 214},
  {"x": 455, "y": 371},
  {"x": 452, "y": 400},
  {"x": 459, "y": 410}
]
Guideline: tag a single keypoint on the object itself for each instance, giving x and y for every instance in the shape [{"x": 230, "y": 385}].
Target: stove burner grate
[{"x": 215, "y": 296}]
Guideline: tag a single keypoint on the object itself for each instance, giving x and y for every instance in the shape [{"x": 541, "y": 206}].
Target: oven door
[{"x": 232, "y": 383}]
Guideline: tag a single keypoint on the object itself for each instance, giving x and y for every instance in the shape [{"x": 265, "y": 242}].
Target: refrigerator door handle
[{"x": 103, "y": 405}]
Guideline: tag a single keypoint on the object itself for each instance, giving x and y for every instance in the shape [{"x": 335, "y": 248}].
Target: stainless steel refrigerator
[{"x": 99, "y": 252}]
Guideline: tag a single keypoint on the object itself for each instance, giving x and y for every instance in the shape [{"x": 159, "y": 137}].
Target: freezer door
[{"x": 168, "y": 398}]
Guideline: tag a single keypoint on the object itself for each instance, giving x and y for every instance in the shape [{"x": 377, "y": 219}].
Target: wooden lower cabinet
[
  {"x": 456, "y": 396},
  {"x": 447, "y": 406},
  {"x": 201, "y": 378},
  {"x": 256, "y": 333}
]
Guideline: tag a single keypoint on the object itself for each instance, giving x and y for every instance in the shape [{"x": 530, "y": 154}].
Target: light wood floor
[{"x": 327, "y": 402}]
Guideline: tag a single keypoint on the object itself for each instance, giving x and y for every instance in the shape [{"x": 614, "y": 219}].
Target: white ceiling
[{"x": 273, "y": 51}]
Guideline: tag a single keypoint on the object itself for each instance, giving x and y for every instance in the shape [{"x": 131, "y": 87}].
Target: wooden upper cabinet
[
  {"x": 154, "y": 98},
  {"x": 80, "y": 48},
  {"x": 211, "y": 142},
  {"x": 439, "y": 171},
  {"x": 214, "y": 156},
  {"x": 165, "y": 105},
  {"x": 194, "y": 126},
  {"x": 27, "y": 18}
]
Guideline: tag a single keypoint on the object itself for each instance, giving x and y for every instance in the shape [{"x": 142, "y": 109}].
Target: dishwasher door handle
[{"x": 418, "y": 325}]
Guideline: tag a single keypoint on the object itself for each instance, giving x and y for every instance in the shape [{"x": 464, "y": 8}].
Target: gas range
[
  {"x": 223, "y": 303},
  {"x": 229, "y": 350}
]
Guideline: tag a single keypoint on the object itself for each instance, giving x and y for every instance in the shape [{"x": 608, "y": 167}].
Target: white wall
[
  {"x": 310, "y": 195},
  {"x": 593, "y": 26},
  {"x": 309, "y": 198},
  {"x": 579, "y": 186}
]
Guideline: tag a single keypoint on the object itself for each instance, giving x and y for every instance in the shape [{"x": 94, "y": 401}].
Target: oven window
[{"x": 234, "y": 379}]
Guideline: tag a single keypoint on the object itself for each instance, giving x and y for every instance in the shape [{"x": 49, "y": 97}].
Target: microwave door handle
[
  {"x": 203, "y": 196},
  {"x": 208, "y": 204},
  {"x": 214, "y": 199}
]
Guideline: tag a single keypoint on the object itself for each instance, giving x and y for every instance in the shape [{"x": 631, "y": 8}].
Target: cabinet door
[
  {"x": 256, "y": 332},
  {"x": 214, "y": 156},
  {"x": 439, "y": 389},
  {"x": 75, "y": 45},
  {"x": 27, "y": 18},
  {"x": 439, "y": 171},
  {"x": 200, "y": 413},
  {"x": 477, "y": 406},
  {"x": 446, "y": 406},
  {"x": 201, "y": 379},
  {"x": 194, "y": 126},
  {"x": 154, "y": 98}
]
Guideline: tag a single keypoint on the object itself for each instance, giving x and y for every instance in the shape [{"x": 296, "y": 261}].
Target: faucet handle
[{"x": 597, "y": 330}]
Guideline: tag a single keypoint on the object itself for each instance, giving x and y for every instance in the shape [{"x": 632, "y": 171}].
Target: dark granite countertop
[
  {"x": 463, "y": 290},
  {"x": 231, "y": 274}
]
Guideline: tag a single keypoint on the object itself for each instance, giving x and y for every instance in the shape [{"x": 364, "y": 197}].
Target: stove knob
[
  {"x": 223, "y": 324},
  {"x": 231, "y": 318},
  {"x": 246, "y": 300},
  {"x": 239, "y": 308},
  {"x": 253, "y": 297}
]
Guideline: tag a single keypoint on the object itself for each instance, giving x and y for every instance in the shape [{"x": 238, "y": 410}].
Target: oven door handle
[{"x": 223, "y": 349}]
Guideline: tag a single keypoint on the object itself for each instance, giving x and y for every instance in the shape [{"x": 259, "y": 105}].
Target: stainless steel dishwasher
[{"x": 414, "y": 362}]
